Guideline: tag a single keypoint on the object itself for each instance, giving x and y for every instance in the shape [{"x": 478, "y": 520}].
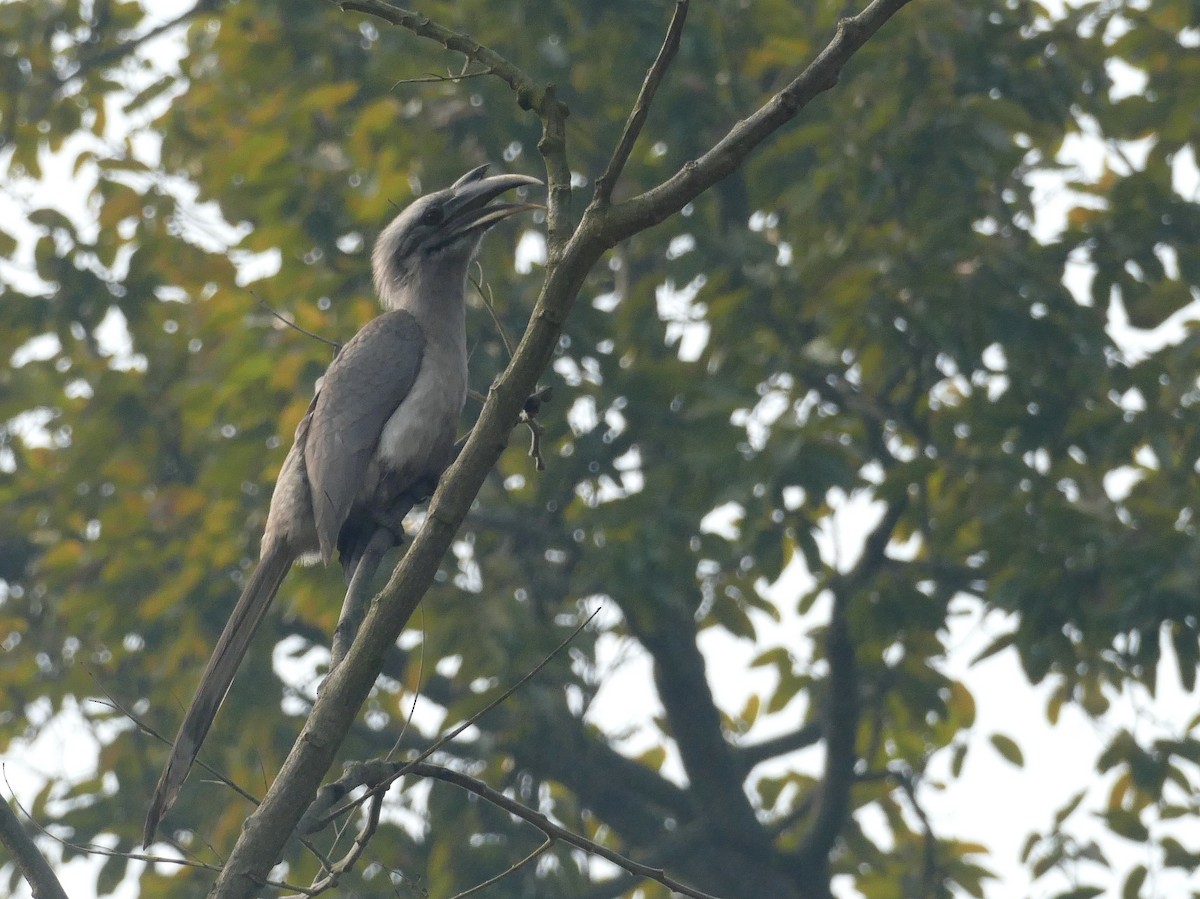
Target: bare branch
[
  {"x": 433, "y": 78},
  {"x": 145, "y": 728},
  {"x": 512, "y": 869},
  {"x": 728, "y": 154},
  {"x": 490, "y": 305},
  {"x": 310, "y": 823},
  {"x": 528, "y": 95},
  {"x": 29, "y": 860},
  {"x": 641, "y": 107},
  {"x": 347, "y": 862},
  {"x": 541, "y": 100},
  {"x": 550, "y": 829},
  {"x": 92, "y": 849},
  {"x": 295, "y": 327}
]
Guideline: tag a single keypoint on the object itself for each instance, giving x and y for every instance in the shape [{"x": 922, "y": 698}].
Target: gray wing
[{"x": 364, "y": 385}]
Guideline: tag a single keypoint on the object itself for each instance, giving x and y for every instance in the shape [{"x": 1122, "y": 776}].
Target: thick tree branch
[
  {"x": 841, "y": 732},
  {"x": 713, "y": 770},
  {"x": 641, "y": 108},
  {"x": 841, "y": 710},
  {"x": 801, "y": 738},
  {"x": 29, "y": 860}
]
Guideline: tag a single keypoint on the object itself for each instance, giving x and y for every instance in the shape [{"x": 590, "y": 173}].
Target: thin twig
[
  {"x": 442, "y": 741},
  {"x": 433, "y": 78},
  {"x": 145, "y": 728},
  {"x": 550, "y": 829},
  {"x": 528, "y": 95},
  {"x": 930, "y": 881},
  {"x": 412, "y": 710},
  {"x": 641, "y": 108},
  {"x": 361, "y": 839},
  {"x": 150, "y": 731},
  {"x": 512, "y": 869},
  {"x": 91, "y": 848},
  {"x": 490, "y": 305},
  {"x": 295, "y": 327}
]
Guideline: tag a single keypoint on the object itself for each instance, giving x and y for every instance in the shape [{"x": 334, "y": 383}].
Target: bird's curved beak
[{"x": 469, "y": 211}]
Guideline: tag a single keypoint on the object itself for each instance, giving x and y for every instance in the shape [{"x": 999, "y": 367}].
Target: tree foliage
[{"x": 861, "y": 312}]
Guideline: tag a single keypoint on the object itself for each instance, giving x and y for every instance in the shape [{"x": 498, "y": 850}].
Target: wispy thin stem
[
  {"x": 641, "y": 108},
  {"x": 295, "y": 327}
]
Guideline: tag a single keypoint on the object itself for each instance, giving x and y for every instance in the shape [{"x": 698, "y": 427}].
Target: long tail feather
[{"x": 216, "y": 680}]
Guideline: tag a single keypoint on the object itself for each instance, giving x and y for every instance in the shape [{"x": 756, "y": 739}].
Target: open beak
[{"x": 469, "y": 209}]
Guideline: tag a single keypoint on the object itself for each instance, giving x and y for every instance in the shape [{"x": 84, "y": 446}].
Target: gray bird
[{"x": 375, "y": 438}]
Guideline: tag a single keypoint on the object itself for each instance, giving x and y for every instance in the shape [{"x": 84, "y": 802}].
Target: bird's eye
[{"x": 432, "y": 216}]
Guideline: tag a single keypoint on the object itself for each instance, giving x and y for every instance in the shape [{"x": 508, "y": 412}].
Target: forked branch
[
  {"x": 728, "y": 154},
  {"x": 641, "y": 107}
]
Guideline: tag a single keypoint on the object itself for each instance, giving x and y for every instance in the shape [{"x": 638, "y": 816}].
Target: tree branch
[
  {"x": 29, "y": 860},
  {"x": 313, "y": 811},
  {"x": 841, "y": 710},
  {"x": 537, "y": 853},
  {"x": 119, "y": 51},
  {"x": 728, "y": 154},
  {"x": 529, "y": 96},
  {"x": 570, "y": 257},
  {"x": 930, "y": 875},
  {"x": 712, "y": 766},
  {"x": 641, "y": 107},
  {"x": 551, "y": 830},
  {"x": 802, "y": 737}
]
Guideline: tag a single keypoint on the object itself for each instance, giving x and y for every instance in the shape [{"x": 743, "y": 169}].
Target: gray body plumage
[{"x": 377, "y": 435}]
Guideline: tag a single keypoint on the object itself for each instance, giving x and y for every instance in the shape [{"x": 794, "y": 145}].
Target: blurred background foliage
[{"x": 871, "y": 316}]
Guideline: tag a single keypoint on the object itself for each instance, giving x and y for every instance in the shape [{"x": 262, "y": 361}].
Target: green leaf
[
  {"x": 1187, "y": 654},
  {"x": 1126, "y": 824},
  {"x": 1069, "y": 808},
  {"x": 1134, "y": 880},
  {"x": 998, "y": 645},
  {"x": 957, "y": 758},
  {"x": 1083, "y": 893},
  {"x": 1008, "y": 749}
]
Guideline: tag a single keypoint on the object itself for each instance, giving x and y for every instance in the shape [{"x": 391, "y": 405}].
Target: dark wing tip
[{"x": 164, "y": 797}]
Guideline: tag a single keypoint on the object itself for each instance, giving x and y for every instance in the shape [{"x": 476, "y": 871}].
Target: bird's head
[{"x": 438, "y": 234}]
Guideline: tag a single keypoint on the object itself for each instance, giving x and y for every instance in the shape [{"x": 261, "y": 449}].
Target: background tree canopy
[{"x": 860, "y": 317}]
